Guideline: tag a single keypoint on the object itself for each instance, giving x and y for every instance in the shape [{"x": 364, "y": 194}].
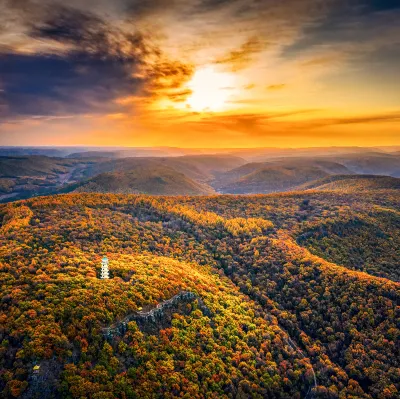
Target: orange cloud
[
  {"x": 242, "y": 57},
  {"x": 276, "y": 87}
]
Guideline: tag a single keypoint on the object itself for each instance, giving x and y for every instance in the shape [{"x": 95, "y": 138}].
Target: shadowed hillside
[
  {"x": 155, "y": 180},
  {"x": 372, "y": 163},
  {"x": 109, "y": 171},
  {"x": 274, "y": 176},
  {"x": 268, "y": 179},
  {"x": 201, "y": 168},
  {"x": 353, "y": 183},
  {"x": 22, "y": 177}
]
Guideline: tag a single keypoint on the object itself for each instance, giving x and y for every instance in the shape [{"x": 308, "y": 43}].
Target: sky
[{"x": 200, "y": 73}]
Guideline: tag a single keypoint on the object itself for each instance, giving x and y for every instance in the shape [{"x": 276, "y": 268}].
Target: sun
[{"x": 211, "y": 90}]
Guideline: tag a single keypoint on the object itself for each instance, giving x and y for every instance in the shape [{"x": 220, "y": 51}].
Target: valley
[{"x": 195, "y": 173}]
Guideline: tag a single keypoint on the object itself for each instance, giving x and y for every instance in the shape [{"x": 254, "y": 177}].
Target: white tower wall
[{"x": 104, "y": 269}]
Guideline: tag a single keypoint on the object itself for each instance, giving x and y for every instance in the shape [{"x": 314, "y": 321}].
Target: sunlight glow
[{"x": 210, "y": 90}]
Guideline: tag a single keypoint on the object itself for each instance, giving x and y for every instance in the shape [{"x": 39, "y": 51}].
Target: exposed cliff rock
[{"x": 160, "y": 317}]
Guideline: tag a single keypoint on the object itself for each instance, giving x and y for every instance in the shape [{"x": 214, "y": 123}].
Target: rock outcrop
[{"x": 158, "y": 318}]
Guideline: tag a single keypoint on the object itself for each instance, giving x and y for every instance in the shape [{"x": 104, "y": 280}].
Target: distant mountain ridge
[
  {"x": 274, "y": 176},
  {"x": 353, "y": 183},
  {"x": 250, "y": 154},
  {"x": 152, "y": 180},
  {"x": 272, "y": 179},
  {"x": 191, "y": 174}
]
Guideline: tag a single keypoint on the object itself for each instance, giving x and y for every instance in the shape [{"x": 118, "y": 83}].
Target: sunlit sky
[{"x": 200, "y": 73}]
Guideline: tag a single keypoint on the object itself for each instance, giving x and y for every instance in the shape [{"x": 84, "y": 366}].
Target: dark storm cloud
[
  {"x": 91, "y": 71},
  {"x": 66, "y": 25},
  {"x": 51, "y": 84},
  {"x": 94, "y": 65}
]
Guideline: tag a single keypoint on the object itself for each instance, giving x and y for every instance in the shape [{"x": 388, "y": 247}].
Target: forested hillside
[
  {"x": 353, "y": 183},
  {"x": 265, "y": 317},
  {"x": 154, "y": 180},
  {"x": 130, "y": 172},
  {"x": 27, "y": 176}
]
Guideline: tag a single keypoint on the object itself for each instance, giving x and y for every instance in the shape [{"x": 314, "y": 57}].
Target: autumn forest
[
  {"x": 291, "y": 295},
  {"x": 199, "y": 199}
]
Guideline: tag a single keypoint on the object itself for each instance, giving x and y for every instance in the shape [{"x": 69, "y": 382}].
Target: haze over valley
[{"x": 34, "y": 171}]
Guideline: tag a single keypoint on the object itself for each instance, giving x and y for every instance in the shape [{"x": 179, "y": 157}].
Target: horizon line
[{"x": 196, "y": 148}]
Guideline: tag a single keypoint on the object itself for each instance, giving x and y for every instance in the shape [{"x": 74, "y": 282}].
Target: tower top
[{"x": 105, "y": 258}]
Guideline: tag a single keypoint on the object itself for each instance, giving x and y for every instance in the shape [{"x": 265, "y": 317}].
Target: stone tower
[{"x": 104, "y": 268}]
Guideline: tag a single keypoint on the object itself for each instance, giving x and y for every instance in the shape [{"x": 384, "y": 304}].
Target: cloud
[
  {"x": 360, "y": 119},
  {"x": 240, "y": 58},
  {"x": 250, "y": 123},
  {"x": 167, "y": 77},
  {"x": 214, "y": 5},
  {"x": 97, "y": 64},
  {"x": 137, "y": 9},
  {"x": 275, "y": 87},
  {"x": 180, "y": 95},
  {"x": 357, "y": 27},
  {"x": 258, "y": 126},
  {"x": 124, "y": 57}
]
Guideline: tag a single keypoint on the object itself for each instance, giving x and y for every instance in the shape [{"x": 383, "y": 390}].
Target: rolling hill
[
  {"x": 108, "y": 171},
  {"x": 186, "y": 175},
  {"x": 200, "y": 168},
  {"x": 154, "y": 180},
  {"x": 372, "y": 163},
  {"x": 32, "y": 166},
  {"x": 272, "y": 179},
  {"x": 274, "y": 176},
  {"x": 353, "y": 183},
  {"x": 284, "y": 174},
  {"x": 26, "y": 176}
]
